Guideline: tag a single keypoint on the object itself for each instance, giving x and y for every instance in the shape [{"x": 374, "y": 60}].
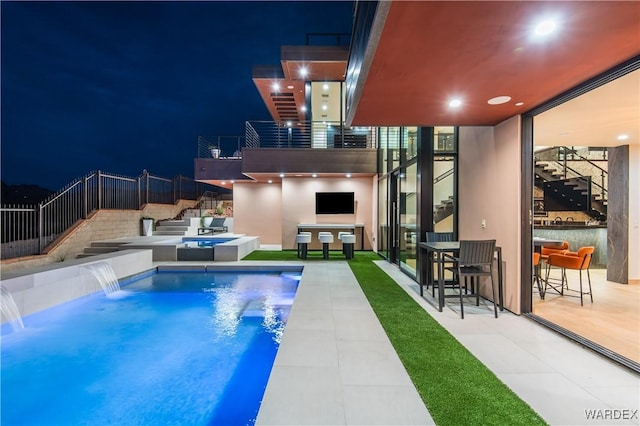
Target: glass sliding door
[
  {"x": 383, "y": 217},
  {"x": 408, "y": 218}
]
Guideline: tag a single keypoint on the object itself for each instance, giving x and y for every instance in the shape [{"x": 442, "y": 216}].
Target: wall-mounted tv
[
  {"x": 573, "y": 194},
  {"x": 335, "y": 203}
]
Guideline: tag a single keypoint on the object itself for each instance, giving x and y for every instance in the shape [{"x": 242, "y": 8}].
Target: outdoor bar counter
[{"x": 314, "y": 228}]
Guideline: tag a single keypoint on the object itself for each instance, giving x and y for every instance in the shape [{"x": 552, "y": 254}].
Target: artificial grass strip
[
  {"x": 454, "y": 385},
  {"x": 287, "y": 255}
]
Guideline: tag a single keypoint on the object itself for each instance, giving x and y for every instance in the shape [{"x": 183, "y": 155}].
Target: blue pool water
[
  {"x": 170, "y": 348},
  {"x": 204, "y": 241}
]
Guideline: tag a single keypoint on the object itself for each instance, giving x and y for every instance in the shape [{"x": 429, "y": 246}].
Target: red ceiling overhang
[
  {"x": 430, "y": 52},
  {"x": 323, "y": 63}
]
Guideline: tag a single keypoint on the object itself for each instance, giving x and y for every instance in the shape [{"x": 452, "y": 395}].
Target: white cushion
[
  {"x": 348, "y": 239},
  {"x": 303, "y": 238},
  {"x": 324, "y": 238}
]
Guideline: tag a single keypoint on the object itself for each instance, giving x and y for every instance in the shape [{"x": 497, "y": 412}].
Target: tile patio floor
[{"x": 336, "y": 366}]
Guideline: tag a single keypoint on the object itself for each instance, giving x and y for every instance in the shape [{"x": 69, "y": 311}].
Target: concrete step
[
  {"x": 99, "y": 250},
  {"x": 173, "y": 223},
  {"x": 182, "y": 228},
  {"x": 156, "y": 232},
  {"x": 114, "y": 244},
  {"x": 83, "y": 255}
]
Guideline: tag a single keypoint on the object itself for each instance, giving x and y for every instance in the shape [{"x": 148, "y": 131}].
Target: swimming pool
[
  {"x": 194, "y": 242},
  {"x": 170, "y": 348}
]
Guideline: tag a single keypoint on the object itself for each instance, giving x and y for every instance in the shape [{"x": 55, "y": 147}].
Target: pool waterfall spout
[
  {"x": 105, "y": 275},
  {"x": 10, "y": 311}
]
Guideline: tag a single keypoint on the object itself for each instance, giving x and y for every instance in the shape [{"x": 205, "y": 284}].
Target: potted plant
[
  {"x": 147, "y": 225},
  {"x": 220, "y": 210}
]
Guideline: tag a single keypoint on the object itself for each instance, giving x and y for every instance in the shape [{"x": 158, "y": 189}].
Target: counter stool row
[{"x": 304, "y": 238}]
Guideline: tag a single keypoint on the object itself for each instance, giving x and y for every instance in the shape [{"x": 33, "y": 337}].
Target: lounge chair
[{"x": 217, "y": 225}]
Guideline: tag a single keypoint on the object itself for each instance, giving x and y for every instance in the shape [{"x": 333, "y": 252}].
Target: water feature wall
[
  {"x": 104, "y": 273},
  {"x": 9, "y": 310},
  {"x": 39, "y": 288}
]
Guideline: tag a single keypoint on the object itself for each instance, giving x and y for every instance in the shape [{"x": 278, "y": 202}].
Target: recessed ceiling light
[
  {"x": 348, "y": 175},
  {"x": 519, "y": 103},
  {"x": 324, "y": 107},
  {"x": 270, "y": 181},
  {"x": 281, "y": 175},
  {"x": 325, "y": 86},
  {"x": 314, "y": 175},
  {"x": 623, "y": 137},
  {"x": 223, "y": 183},
  {"x": 304, "y": 71},
  {"x": 289, "y": 124},
  {"x": 499, "y": 100},
  {"x": 545, "y": 27},
  {"x": 275, "y": 86},
  {"x": 290, "y": 86},
  {"x": 232, "y": 181},
  {"x": 303, "y": 108},
  {"x": 455, "y": 103}
]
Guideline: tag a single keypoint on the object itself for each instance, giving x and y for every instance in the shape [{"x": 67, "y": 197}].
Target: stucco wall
[
  {"x": 299, "y": 204},
  {"x": 489, "y": 189},
  {"x": 257, "y": 211},
  {"x": 273, "y": 211}
]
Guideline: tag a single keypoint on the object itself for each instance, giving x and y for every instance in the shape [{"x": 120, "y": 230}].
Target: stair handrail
[
  {"x": 603, "y": 173},
  {"x": 443, "y": 176}
]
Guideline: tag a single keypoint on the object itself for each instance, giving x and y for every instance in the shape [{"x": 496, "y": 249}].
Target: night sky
[{"x": 127, "y": 86}]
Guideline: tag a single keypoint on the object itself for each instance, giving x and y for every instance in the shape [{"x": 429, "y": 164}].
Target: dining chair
[
  {"x": 437, "y": 237},
  {"x": 475, "y": 260},
  {"x": 546, "y": 251},
  {"x": 536, "y": 274},
  {"x": 580, "y": 261}
]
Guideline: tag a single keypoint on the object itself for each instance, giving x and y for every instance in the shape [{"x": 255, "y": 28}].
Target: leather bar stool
[
  {"x": 325, "y": 238},
  {"x": 303, "y": 240},
  {"x": 348, "y": 242}
]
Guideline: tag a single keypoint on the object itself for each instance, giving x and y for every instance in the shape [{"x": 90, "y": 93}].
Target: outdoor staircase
[{"x": 100, "y": 247}]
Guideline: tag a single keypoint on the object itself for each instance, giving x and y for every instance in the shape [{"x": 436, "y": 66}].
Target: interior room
[{"x": 592, "y": 126}]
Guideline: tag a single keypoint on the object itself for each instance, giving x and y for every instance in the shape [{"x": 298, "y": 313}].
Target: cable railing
[
  {"x": 28, "y": 230},
  {"x": 308, "y": 134}
]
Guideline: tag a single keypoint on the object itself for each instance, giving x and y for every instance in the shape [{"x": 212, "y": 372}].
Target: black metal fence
[{"x": 29, "y": 229}]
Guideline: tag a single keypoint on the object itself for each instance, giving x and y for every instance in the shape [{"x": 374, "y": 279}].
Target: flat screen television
[
  {"x": 335, "y": 203},
  {"x": 573, "y": 194}
]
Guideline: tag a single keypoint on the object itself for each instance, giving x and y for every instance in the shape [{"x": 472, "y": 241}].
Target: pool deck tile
[{"x": 336, "y": 366}]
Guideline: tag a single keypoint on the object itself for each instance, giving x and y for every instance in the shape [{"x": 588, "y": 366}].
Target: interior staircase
[
  {"x": 572, "y": 190},
  {"x": 443, "y": 210}
]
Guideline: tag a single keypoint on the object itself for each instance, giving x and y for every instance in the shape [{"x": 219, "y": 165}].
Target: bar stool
[
  {"x": 303, "y": 240},
  {"x": 325, "y": 238},
  {"x": 340, "y": 234},
  {"x": 348, "y": 241}
]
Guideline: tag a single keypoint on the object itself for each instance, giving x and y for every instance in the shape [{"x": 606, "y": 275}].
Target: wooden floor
[{"x": 612, "y": 320}]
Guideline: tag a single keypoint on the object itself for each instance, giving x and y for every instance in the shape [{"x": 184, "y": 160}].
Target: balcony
[{"x": 273, "y": 149}]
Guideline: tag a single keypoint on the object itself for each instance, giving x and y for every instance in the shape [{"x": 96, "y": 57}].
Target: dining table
[{"x": 433, "y": 252}]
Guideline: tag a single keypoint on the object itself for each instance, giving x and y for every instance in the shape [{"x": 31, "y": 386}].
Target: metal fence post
[
  {"x": 40, "y": 229},
  {"x": 85, "y": 200},
  {"x": 99, "y": 190}
]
